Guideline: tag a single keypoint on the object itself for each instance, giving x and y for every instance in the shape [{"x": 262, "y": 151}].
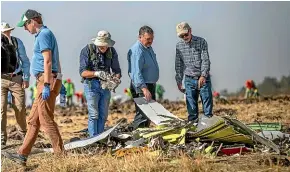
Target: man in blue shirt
[
  {"x": 15, "y": 83},
  {"x": 97, "y": 61},
  {"x": 47, "y": 70},
  {"x": 143, "y": 72}
]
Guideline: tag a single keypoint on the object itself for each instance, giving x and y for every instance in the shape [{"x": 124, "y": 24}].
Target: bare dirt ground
[{"x": 272, "y": 109}]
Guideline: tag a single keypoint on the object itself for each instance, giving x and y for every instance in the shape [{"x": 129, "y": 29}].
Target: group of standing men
[{"x": 101, "y": 73}]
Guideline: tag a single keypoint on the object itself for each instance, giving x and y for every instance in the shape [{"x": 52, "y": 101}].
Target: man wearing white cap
[
  {"x": 97, "y": 62},
  {"x": 192, "y": 60},
  {"x": 15, "y": 82}
]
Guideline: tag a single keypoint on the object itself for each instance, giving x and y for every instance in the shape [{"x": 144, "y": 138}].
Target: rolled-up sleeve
[
  {"x": 179, "y": 66},
  {"x": 84, "y": 59},
  {"x": 25, "y": 63},
  {"x": 115, "y": 63},
  {"x": 137, "y": 61},
  {"x": 205, "y": 62}
]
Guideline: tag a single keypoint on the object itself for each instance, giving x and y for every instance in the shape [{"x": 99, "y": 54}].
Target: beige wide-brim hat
[
  {"x": 6, "y": 27},
  {"x": 103, "y": 39}
]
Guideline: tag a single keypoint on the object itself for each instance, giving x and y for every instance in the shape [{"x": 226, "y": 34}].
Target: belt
[
  {"x": 41, "y": 73},
  {"x": 192, "y": 77},
  {"x": 11, "y": 75}
]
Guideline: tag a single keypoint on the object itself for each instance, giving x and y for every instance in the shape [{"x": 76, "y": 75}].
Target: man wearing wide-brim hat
[
  {"x": 15, "y": 82},
  {"x": 98, "y": 61}
]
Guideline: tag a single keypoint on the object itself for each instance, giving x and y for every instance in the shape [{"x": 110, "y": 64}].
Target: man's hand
[
  {"x": 181, "y": 89},
  {"x": 201, "y": 81},
  {"x": 25, "y": 84},
  {"x": 45, "y": 92},
  {"x": 147, "y": 94}
]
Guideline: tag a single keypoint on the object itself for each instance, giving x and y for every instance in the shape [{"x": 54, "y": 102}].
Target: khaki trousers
[
  {"x": 14, "y": 85},
  {"x": 42, "y": 115}
]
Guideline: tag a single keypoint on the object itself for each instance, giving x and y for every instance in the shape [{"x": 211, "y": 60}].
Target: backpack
[
  {"x": 93, "y": 53},
  {"x": 9, "y": 60}
]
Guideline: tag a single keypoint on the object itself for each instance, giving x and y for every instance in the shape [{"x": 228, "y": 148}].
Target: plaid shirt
[{"x": 192, "y": 59}]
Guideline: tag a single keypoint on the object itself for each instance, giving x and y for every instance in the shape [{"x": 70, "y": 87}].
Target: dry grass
[
  {"x": 143, "y": 162},
  {"x": 267, "y": 111}
]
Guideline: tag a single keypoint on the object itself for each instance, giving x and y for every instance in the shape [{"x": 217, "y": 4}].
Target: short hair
[
  {"x": 38, "y": 20},
  {"x": 145, "y": 29}
]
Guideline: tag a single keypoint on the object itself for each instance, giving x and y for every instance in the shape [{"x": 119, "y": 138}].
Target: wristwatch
[{"x": 46, "y": 84}]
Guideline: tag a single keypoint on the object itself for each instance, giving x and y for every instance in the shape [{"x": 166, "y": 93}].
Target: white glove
[{"x": 101, "y": 74}]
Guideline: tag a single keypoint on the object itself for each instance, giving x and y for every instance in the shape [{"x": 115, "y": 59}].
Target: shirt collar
[
  {"x": 42, "y": 27},
  {"x": 146, "y": 48},
  {"x": 193, "y": 38}
]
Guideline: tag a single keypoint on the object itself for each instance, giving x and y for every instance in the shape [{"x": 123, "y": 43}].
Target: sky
[{"x": 246, "y": 40}]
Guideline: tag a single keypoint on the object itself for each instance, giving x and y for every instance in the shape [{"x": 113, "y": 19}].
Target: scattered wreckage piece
[
  {"x": 88, "y": 141},
  {"x": 216, "y": 129},
  {"x": 155, "y": 111},
  {"x": 266, "y": 126},
  {"x": 255, "y": 136}
]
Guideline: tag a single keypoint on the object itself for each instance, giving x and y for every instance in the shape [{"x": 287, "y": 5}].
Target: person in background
[
  {"x": 127, "y": 92},
  {"x": 33, "y": 90},
  {"x": 159, "y": 92},
  {"x": 70, "y": 91},
  {"x": 15, "y": 82}
]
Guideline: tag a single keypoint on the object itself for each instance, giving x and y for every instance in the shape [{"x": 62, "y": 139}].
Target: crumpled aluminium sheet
[{"x": 154, "y": 111}]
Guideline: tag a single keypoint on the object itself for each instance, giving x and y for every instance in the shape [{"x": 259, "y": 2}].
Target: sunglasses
[{"x": 183, "y": 35}]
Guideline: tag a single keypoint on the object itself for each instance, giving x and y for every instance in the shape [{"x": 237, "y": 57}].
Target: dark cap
[{"x": 29, "y": 14}]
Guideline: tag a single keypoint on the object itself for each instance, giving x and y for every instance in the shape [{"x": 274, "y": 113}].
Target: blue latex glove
[
  {"x": 45, "y": 92},
  {"x": 62, "y": 90}
]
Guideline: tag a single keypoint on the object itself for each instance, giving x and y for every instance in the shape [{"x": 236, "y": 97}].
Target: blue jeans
[
  {"x": 192, "y": 93},
  {"x": 98, "y": 100}
]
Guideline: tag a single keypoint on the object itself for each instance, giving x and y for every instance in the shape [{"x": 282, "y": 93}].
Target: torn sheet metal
[
  {"x": 88, "y": 141},
  {"x": 260, "y": 139},
  {"x": 235, "y": 150},
  {"x": 154, "y": 111},
  {"x": 135, "y": 143},
  {"x": 272, "y": 135},
  {"x": 266, "y": 126}
]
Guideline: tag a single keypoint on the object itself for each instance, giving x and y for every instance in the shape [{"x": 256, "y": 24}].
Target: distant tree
[{"x": 270, "y": 86}]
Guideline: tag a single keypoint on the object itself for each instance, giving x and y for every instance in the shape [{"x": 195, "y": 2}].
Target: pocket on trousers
[{"x": 56, "y": 86}]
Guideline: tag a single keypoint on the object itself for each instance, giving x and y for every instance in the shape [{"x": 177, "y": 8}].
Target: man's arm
[
  {"x": 179, "y": 67},
  {"x": 205, "y": 62},
  {"x": 84, "y": 62},
  {"x": 47, "y": 65},
  {"x": 137, "y": 62},
  {"x": 25, "y": 64},
  {"x": 115, "y": 64},
  {"x": 59, "y": 66}
]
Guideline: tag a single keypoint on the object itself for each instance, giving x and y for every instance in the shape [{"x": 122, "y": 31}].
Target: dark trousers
[{"x": 141, "y": 120}]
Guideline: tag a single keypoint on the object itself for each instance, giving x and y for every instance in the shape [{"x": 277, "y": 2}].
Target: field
[{"x": 270, "y": 109}]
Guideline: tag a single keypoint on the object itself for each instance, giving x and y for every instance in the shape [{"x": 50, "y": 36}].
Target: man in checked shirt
[{"x": 192, "y": 60}]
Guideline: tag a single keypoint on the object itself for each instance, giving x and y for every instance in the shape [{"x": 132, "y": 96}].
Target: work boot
[{"x": 20, "y": 159}]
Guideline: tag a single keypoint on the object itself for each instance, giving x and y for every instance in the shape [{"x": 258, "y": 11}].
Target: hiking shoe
[{"x": 20, "y": 159}]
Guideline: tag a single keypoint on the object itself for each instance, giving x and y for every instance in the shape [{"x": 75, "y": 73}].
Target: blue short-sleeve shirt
[{"x": 44, "y": 40}]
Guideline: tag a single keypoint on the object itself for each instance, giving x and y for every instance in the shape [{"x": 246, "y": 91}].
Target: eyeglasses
[{"x": 183, "y": 35}]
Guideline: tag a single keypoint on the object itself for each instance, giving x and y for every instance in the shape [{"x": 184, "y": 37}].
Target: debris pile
[{"x": 210, "y": 136}]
